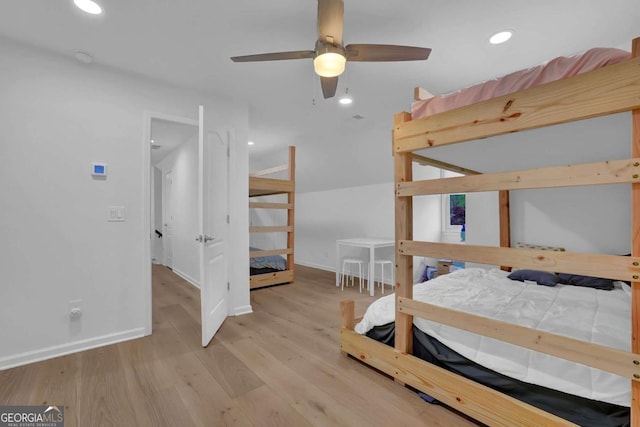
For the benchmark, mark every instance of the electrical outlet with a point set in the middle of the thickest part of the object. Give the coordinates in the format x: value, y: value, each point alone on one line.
x: 75, y: 309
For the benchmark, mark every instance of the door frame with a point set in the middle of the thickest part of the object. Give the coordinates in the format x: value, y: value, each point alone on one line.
x: 147, y: 232
x: 165, y: 205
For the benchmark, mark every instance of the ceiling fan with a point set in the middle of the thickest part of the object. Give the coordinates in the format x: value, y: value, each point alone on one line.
x: 330, y: 55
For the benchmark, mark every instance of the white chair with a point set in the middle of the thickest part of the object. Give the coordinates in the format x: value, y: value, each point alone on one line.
x: 348, y: 271
x: 382, y: 263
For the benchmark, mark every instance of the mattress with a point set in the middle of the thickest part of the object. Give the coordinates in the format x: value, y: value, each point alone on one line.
x: 555, y: 69
x: 266, y: 264
x: 592, y: 315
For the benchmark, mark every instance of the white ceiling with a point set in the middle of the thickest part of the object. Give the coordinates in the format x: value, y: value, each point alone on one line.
x: 188, y: 43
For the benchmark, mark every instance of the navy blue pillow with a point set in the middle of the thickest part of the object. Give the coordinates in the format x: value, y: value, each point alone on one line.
x: 586, y: 281
x: 544, y: 278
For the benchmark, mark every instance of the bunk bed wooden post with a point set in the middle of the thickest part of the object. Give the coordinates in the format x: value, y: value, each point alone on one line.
x: 635, y: 251
x: 404, y: 231
x: 291, y: 195
x: 505, y: 221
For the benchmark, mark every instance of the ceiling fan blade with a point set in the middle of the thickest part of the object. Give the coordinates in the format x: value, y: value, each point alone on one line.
x: 385, y: 52
x: 330, y: 21
x: 329, y: 86
x: 276, y: 56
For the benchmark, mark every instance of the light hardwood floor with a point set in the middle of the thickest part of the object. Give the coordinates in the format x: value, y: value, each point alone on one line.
x: 279, y: 366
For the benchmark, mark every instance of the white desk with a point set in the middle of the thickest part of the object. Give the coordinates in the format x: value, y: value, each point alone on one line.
x: 363, y: 242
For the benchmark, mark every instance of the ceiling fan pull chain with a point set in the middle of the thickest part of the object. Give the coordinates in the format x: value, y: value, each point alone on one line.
x: 313, y: 88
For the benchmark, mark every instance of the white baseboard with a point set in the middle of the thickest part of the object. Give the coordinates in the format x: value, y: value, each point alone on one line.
x: 64, y: 349
x: 238, y: 311
x: 314, y: 265
x: 188, y: 278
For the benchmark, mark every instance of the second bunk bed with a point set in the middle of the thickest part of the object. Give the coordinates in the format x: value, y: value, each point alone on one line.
x: 270, y: 267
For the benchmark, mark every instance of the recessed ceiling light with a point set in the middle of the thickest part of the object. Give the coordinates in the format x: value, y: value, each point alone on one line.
x: 500, y: 37
x: 88, y: 6
x: 251, y: 143
x: 345, y: 100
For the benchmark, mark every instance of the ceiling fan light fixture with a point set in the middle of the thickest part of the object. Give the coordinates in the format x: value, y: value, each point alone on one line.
x: 329, y: 64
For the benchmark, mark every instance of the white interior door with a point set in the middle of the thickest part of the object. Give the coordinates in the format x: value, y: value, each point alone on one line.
x: 213, y: 228
x: 167, y: 242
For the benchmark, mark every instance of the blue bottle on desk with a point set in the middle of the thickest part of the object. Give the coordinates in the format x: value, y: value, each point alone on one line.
x: 462, y: 233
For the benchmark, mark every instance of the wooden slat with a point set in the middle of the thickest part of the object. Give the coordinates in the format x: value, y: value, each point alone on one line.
x: 266, y: 186
x: 480, y: 402
x: 601, y: 173
x: 607, y: 90
x: 291, y: 200
x: 254, y: 254
x: 269, y: 171
x: 404, y: 231
x: 271, y: 229
x: 597, y: 356
x: 635, y: 251
x: 610, y: 266
x: 426, y: 161
x: 269, y: 279
x: 266, y: 205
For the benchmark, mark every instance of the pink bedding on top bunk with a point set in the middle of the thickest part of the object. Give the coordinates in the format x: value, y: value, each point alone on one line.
x: 555, y: 69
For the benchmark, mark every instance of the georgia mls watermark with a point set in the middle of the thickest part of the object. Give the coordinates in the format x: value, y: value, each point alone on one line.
x: 31, y: 416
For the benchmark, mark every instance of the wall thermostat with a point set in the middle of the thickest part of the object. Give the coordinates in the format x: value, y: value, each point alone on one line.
x: 98, y: 169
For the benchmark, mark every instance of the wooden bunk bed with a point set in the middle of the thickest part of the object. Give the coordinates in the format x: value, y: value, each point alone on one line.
x: 260, y: 186
x: 607, y: 90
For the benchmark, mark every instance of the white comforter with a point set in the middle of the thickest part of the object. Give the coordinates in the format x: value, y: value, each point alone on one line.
x: 601, y: 317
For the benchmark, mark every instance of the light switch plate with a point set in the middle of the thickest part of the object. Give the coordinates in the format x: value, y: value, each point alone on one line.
x: 115, y: 213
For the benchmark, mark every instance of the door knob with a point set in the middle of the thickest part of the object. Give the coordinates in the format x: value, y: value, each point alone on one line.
x: 208, y: 238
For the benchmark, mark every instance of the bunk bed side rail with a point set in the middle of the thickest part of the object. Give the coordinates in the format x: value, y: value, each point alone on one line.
x: 268, y: 279
x: 254, y: 254
x: 270, y: 184
x: 610, y: 266
x: 271, y: 229
x: 608, y: 359
x: 270, y: 171
x: 269, y: 205
x: 608, y: 90
x: 600, y: 173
